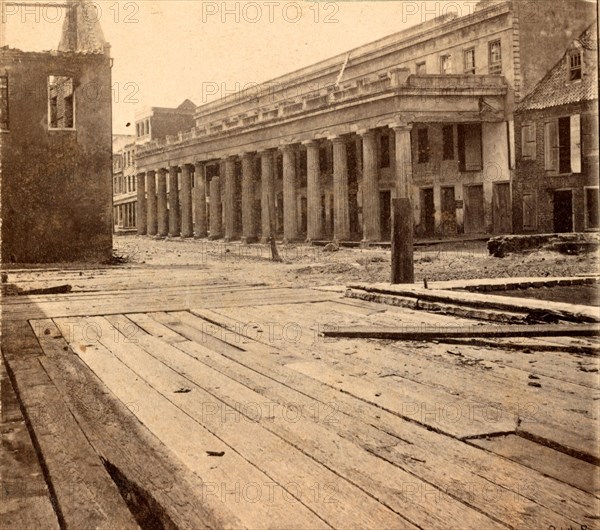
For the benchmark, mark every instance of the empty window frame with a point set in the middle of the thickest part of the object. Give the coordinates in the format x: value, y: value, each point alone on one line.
x: 470, y: 147
x: 423, y: 145
x: 495, y: 57
x: 3, y: 103
x: 469, y: 60
x: 421, y: 68
x: 61, y: 102
x: 575, y: 66
x: 446, y: 64
x: 448, y: 142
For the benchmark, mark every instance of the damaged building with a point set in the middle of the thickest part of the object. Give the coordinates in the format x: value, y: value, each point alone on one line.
x: 55, y: 147
x: 323, y: 150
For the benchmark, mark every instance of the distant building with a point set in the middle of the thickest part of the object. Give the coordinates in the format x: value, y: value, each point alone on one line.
x: 324, y: 149
x: 55, y: 148
x: 556, y: 183
x: 151, y: 124
x: 124, y: 183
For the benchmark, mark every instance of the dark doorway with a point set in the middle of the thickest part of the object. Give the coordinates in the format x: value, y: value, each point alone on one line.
x: 563, y: 211
x: 303, y: 215
x: 427, y: 212
x: 449, y: 226
x: 474, y: 213
x: 501, y: 211
x: 385, y: 213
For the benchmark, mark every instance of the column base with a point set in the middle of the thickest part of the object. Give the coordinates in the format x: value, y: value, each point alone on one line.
x: 247, y: 240
x: 200, y: 236
x: 215, y: 237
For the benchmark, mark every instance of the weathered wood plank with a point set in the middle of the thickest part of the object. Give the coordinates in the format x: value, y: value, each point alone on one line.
x: 333, y: 499
x: 562, y: 467
x: 457, y: 467
x: 25, y: 496
x: 222, y: 476
x: 117, y: 435
x: 85, y: 494
x: 383, y: 482
x: 457, y: 332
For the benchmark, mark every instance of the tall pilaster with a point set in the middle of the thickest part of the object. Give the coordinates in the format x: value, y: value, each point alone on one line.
x: 152, y: 225
x: 200, y: 225
x: 230, y: 213
x: 216, y: 219
x: 290, y: 221
x: 267, y: 193
x: 313, y: 193
x: 161, y: 207
x: 248, y: 181
x: 141, y: 221
x: 341, y: 211
x: 187, y: 225
x: 174, y: 201
x: 370, y: 189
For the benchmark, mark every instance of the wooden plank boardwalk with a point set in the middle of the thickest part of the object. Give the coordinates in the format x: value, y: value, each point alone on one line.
x: 198, y: 404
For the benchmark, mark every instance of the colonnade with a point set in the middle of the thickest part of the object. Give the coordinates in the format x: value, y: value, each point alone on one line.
x: 181, y: 208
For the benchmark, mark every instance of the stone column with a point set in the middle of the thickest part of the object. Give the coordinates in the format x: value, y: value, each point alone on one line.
x: 341, y: 211
x: 173, y: 201
x: 187, y: 224
x: 248, y: 181
x: 200, y: 225
x: 370, y: 187
x: 403, y: 161
x: 313, y: 193
x: 141, y: 205
x: 229, y: 205
x: 290, y: 225
x: 161, y: 197
x: 268, y: 194
x: 152, y: 225
x: 216, y: 225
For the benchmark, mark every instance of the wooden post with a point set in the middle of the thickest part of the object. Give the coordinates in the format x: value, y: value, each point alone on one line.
x: 403, y: 270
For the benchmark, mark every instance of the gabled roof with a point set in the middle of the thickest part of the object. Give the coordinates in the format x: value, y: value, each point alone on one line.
x: 555, y: 89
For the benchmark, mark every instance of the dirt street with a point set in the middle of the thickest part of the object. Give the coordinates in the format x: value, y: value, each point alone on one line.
x: 312, y: 266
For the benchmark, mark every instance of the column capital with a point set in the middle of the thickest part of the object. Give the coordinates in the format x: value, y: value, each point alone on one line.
x: 188, y: 166
x: 151, y: 172
x: 229, y: 158
x: 366, y: 132
x: 311, y: 143
x: 141, y: 174
x: 173, y: 169
x: 401, y: 126
x: 337, y: 139
x: 247, y: 154
x: 266, y: 152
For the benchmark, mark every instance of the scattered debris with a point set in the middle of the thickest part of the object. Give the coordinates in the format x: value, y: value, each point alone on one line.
x: 183, y: 390
x: 536, y: 385
x: 215, y: 453
x: 331, y: 247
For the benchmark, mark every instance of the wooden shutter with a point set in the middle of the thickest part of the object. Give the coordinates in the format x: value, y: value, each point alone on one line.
x: 576, y: 143
x: 551, y: 146
x: 528, y: 141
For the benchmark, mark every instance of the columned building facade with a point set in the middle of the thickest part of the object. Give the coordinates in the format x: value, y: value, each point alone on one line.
x: 425, y: 114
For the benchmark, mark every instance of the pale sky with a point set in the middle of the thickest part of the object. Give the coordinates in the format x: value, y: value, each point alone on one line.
x: 168, y: 50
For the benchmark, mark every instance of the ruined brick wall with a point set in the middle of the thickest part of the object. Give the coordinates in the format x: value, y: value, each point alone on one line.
x: 56, y: 184
x: 532, y: 177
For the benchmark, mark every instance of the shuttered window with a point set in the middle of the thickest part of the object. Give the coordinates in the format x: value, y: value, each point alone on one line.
x: 562, y: 145
x: 3, y: 103
x: 528, y: 141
